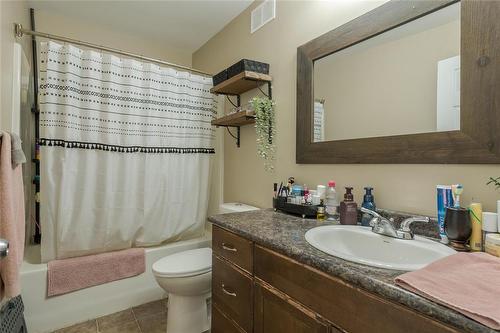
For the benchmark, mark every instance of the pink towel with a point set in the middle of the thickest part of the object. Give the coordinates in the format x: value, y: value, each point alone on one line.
x: 12, y: 222
x: 66, y: 275
x: 466, y: 282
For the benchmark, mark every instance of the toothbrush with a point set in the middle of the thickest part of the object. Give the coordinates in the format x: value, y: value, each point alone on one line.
x: 457, y: 191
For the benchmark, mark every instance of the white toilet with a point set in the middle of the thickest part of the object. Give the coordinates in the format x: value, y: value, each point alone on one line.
x: 187, y: 277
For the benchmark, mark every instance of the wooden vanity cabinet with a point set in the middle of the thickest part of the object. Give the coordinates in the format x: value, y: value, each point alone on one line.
x: 256, y: 290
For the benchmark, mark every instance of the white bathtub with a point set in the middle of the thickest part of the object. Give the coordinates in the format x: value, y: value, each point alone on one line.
x: 47, y: 314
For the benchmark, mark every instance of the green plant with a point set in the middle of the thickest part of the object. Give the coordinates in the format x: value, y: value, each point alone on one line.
x: 494, y: 181
x: 265, y: 127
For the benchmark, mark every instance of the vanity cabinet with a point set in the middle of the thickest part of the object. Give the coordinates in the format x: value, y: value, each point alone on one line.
x: 256, y: 290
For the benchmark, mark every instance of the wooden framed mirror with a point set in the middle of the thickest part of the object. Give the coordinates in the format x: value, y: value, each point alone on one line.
x: 407, y: 111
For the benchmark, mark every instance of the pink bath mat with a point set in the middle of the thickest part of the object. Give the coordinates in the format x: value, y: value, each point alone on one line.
x: 67, y: 275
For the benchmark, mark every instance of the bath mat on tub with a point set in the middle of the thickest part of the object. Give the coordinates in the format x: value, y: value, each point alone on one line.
x: 66, y: 275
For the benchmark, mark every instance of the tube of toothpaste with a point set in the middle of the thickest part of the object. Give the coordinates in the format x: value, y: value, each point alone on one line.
x: 444, y: 200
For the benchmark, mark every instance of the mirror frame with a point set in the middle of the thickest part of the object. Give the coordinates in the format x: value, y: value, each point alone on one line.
x: 477, y: 141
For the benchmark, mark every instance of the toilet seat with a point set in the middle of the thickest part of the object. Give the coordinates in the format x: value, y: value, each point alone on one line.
x: 185, y: 263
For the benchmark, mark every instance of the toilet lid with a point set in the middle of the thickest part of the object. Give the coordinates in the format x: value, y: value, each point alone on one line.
x: 185, y: 263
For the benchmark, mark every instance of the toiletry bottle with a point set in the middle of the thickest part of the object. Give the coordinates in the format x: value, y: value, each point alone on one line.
x: 331, y: 202
x: 320, y: 214
x: 489, y: 226
x: 321, y: 191
x: 348, y: 208
x: 492, y: 244
x: 444, y: 200
x: 476, y: 216
x: 368, y: 203
x: 306, y: 195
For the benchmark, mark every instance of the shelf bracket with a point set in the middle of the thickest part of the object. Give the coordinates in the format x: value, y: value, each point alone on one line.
x: 269, y: 93
x: 238, y: 139
x: 230, y: 101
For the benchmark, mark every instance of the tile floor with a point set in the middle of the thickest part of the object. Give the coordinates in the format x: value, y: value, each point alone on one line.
x: 146, y: 318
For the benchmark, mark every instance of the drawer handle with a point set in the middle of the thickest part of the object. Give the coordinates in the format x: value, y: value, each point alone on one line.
x: 229, y: 247
x: 227, y: 292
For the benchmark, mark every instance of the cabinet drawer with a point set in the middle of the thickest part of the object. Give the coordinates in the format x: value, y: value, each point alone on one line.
x: 222, y: 324
x: 234, y: 248
x: 351, y: 308
x: 232, y: 292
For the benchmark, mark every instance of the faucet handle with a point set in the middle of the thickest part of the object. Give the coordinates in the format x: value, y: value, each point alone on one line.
x: 405, y: 225
x: 371, y: 212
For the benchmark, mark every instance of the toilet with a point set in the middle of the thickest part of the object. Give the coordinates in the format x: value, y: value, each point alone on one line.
x: 187, y: 276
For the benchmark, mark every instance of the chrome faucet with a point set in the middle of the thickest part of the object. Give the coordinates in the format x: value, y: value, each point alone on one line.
x: 404, y: 228
x: 382, y: 226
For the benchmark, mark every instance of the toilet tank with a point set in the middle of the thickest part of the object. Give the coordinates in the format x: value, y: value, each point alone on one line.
x: 235, y: 207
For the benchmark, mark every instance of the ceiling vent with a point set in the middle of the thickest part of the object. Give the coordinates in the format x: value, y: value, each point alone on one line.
x: 264, y: 13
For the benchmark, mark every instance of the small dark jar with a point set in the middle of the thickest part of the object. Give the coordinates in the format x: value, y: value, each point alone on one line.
x: 457, y: 226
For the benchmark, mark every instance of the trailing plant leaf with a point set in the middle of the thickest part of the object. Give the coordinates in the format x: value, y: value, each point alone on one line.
x: 265, y: 128
x: 494, y: 181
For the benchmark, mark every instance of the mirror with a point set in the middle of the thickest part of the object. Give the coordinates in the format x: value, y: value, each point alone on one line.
x: 401, y: 108
x: 403, y: 81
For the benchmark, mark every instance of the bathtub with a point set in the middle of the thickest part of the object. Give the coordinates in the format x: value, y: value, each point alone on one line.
x: 48, y: 314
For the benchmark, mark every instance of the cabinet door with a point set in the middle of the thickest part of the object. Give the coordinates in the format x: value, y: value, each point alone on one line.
x: 276, y: 313
x: 221, y: 323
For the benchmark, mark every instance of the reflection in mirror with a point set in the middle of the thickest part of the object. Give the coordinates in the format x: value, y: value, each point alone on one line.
x: 404, y: 81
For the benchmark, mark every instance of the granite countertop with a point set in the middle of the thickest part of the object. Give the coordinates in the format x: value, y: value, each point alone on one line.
x: 284, y: 233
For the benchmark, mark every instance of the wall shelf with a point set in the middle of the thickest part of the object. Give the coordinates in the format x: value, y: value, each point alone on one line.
x: 235, y: 119
x: 238, y: 84
x: 241, y: 83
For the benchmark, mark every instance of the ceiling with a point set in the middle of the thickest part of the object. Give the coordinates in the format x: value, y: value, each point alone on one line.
x: 184, y: 24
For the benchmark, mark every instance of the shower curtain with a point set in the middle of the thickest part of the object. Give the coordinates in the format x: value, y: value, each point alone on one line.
x: 125, y: 151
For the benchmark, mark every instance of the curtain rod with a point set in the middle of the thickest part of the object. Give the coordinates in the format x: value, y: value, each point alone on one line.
x: 19, y: 31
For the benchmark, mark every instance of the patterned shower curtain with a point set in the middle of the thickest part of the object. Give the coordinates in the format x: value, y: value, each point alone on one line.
x: 126, y: 151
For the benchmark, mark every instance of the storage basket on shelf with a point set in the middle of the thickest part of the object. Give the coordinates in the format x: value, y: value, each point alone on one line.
x: 247, y: 65
x: 220, y: 77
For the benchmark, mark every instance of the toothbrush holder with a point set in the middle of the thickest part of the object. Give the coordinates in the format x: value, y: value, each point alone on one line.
x: 457, y: 226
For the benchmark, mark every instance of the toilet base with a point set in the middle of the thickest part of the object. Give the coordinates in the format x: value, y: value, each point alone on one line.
x: 188, y: 314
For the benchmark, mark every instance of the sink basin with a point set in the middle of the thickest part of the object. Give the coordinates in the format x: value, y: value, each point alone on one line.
x: 361, y: 245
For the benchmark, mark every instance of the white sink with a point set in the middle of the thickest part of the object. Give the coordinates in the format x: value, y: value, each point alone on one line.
x: 361, y: 245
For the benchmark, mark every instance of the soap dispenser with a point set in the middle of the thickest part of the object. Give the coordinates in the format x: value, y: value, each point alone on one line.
x: 368, y: 203
x: 348, y: 208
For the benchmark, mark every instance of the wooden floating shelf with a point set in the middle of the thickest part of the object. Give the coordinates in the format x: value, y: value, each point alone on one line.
x: 235, y: 119
x: 241, y: 83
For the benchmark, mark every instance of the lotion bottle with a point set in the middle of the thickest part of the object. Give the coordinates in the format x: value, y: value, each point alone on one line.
x: 369, y: 203
x: 348, y: 208
x: 476, y: 217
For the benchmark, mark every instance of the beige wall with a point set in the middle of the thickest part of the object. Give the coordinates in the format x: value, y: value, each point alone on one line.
x: 57, y: 24
x: 10, y: 12
x: 386, y: 85
x: 403, y: 187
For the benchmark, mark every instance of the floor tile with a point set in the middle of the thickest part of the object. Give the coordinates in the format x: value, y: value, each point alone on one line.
x: 123, y: 327
x: 149, y: 309
x: 154, y: 324
x: 114, y: 319
x: 86, y: 327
